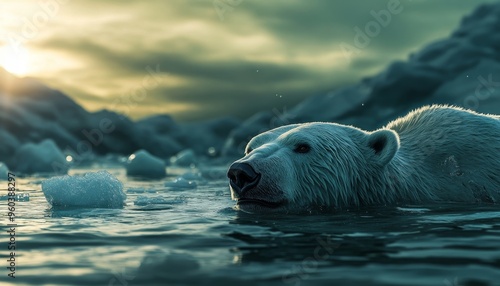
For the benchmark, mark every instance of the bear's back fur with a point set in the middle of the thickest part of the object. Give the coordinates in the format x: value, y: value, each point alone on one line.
x: 446, y: 153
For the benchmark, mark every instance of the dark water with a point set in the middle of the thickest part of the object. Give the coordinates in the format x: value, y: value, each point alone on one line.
x: 194, y: 237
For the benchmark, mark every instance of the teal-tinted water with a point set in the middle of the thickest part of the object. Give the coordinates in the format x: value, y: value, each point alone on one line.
x: 194, y: 237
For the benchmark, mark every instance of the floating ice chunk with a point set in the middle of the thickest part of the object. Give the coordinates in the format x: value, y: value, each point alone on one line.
x: 144, y: 165
x: 190, y: 176
x: 194, y: 177
x: 3, y: 171
x: 181, y: 184
x: 141, y: 190
x: 91, y: 190
x: 143, y: 201
x: 44, y: 157
x: 185, y: 158
x: 19, y: 197
x: 158, y: 200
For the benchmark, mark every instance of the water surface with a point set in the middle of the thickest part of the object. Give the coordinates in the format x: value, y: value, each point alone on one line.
x: 195, y: 237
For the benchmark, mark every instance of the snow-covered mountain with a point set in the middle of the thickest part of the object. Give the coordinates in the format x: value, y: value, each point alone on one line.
x: 31, y: 112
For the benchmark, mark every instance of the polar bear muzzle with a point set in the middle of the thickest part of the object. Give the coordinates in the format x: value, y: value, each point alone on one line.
x: 247, y: 189
x: 242, y: 177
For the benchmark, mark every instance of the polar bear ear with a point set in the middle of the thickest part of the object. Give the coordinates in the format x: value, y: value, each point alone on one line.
x: 385, y: 144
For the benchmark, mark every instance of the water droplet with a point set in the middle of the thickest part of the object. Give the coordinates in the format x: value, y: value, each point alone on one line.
x: 211, y: 151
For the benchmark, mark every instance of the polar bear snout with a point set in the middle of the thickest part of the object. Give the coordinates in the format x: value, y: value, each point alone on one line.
x: 242, y: 177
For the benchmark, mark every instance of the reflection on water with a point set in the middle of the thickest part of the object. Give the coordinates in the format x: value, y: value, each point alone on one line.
x: 194, y: 237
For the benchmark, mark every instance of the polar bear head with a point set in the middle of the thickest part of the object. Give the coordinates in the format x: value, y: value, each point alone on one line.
x: 303, y: 166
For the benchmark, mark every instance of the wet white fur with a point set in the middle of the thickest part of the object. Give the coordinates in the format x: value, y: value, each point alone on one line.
x: 435, y: 153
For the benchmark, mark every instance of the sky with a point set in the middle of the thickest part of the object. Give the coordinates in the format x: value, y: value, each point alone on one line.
x: 201, y: 59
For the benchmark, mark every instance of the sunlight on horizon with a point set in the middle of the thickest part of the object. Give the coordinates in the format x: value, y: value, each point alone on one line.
x: 15, y: 60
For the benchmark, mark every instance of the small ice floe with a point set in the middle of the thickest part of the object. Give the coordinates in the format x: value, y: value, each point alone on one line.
x: 44, y: 157
x: 19, y: 197
x: 91, y: 190
x: 185, y: 158
x: 181, y: 184
x: 192, y: 176
x: 158, y: 200
x: 143, y: 164
x: 3, y: 171
x: 141, y: 190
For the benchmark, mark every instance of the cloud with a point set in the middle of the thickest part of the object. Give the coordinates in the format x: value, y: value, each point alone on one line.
x: 212, y: 67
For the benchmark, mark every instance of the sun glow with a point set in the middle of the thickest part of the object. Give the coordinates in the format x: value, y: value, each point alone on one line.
x: 15, y: 59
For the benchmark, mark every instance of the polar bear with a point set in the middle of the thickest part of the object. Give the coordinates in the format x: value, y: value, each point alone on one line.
x: 435, y: 153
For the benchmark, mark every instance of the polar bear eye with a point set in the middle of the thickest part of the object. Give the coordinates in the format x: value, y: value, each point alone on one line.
x: 302, y: 148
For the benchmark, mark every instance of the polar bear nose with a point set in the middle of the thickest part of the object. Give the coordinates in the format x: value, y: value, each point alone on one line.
x: 242, y: 177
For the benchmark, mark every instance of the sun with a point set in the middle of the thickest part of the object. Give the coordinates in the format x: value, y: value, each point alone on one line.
x: 15, y: 59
